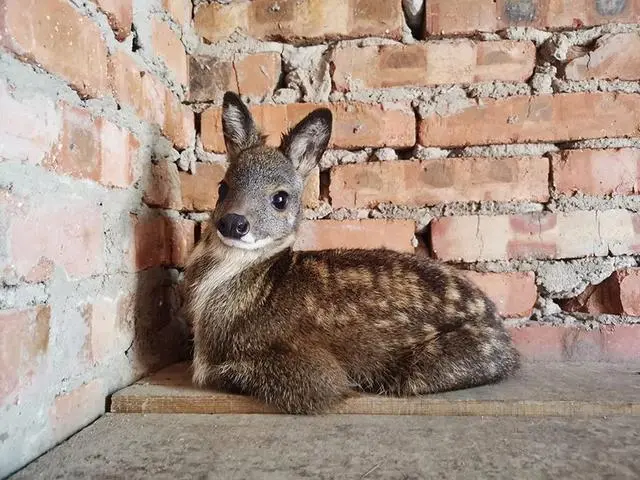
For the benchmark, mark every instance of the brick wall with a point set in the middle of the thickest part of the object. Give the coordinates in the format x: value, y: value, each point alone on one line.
x: 92, y: 94
x: 502, y: 136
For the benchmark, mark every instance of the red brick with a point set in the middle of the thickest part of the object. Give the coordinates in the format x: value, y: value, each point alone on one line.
x: 168, y: 46
x: 118, y: 153
x: 163, y: 188
x: 350, y: 234
x: 549, y: 235
x: 52, y: 34
x: 126, y: 80
x: 24, y: 341
x: 446, y: 17
x: 109, y: 330
x: 120, y: 15
x: 67, y: 233
x: 255, y: 75
x: 432, y: 63
x: 210, y: 78
x: 614, y: 343
x: 200, y: 191
x: 163, y: 241
x: 96, y: 150
x: 514, y: 293
x: 629, y: 281
x: 258, y: 74
x: 301, y: 22
x: 597, y: 172
x: 153, y: 101
x: 544, y: 118
x: 29, y: 127
x: 311, y: 193
x: 75, y: 409
x: 617, y: 295
x: 355, y: 125
x: 179, y: 122
x: 440, y: 181
x: 614, y: 57
x: 180, y: 10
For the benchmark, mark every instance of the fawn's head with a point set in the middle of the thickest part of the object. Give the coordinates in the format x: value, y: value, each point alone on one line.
x: 260, y: 199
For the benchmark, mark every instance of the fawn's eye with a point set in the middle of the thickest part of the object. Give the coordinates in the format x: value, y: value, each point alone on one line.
x: 279, y: 200
x: 223, y: 189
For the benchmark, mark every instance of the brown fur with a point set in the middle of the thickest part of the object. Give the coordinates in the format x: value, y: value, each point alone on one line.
x: 301, y: 330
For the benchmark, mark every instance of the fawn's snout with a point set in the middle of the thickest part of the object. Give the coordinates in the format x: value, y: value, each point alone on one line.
x: 233, y: 226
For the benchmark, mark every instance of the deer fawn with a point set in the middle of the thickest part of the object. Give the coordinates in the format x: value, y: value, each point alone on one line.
x: 303, y: 330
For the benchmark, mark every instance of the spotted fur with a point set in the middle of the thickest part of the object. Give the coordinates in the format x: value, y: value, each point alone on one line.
x: 303, y: 330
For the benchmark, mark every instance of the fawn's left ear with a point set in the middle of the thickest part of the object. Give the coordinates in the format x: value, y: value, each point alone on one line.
x: 238, y: 127
x: 305, y: 144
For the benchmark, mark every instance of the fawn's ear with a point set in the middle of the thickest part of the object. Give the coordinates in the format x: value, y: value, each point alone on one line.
x: 239, y: 130
x: 305, y: 144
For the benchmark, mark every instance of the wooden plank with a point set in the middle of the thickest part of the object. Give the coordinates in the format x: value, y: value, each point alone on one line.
x: 559, y: 389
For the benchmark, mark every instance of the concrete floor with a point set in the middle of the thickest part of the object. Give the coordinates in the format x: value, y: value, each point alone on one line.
x: 134, y: 446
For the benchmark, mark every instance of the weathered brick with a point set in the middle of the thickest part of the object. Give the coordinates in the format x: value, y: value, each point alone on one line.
x: 549, y: 235
x: 78, y: 153
x: 96, y: 150
x: 629, y: 281
x: 24, y: 341
x: 179, y: 122
x: 615, y: 56
x: 543, y: 118
x: 180, y: 10
x: 120, y: 15
x: 255, y: 76
x: 439, y: 181
x: 162, y: 241
x: 152, y: 101
x: 432, y: 63
x: 617, y: 295
x: 612, y: 343
x: 163, y: 187
x: 301, y: 22
x: 597, y: 172
x: 75, y: 409
x: 514, y: 293
x: 210, y: 78
x: 126, y: 80
x: 67, y: 234
x: 29, y: 127
x: 168, y: 46
x: 446, y: 17
x: 52, y: 34
x: 258, y: 74
x: 370, y: 234
x: 200, y: 191
x: 154, y: 95
x: 354, y: 124
x: 110, y: 326
x: 311, y: 193
x: 118, y: 153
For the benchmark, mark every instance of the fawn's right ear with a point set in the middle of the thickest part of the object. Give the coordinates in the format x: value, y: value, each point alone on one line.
x: 239, y: 130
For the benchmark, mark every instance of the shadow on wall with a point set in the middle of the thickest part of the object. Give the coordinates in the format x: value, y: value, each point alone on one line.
x: 163, y: 241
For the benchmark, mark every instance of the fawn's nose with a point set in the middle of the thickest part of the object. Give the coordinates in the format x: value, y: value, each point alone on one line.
x: 233, y: 226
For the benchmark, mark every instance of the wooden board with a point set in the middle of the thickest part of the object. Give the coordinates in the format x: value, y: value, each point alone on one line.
x: 550, y: 389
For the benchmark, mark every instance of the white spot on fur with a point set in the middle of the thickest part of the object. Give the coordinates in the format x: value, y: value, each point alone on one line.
x: 247, y: 242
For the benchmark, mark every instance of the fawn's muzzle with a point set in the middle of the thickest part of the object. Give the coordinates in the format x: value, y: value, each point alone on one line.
x: 233, y: 226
